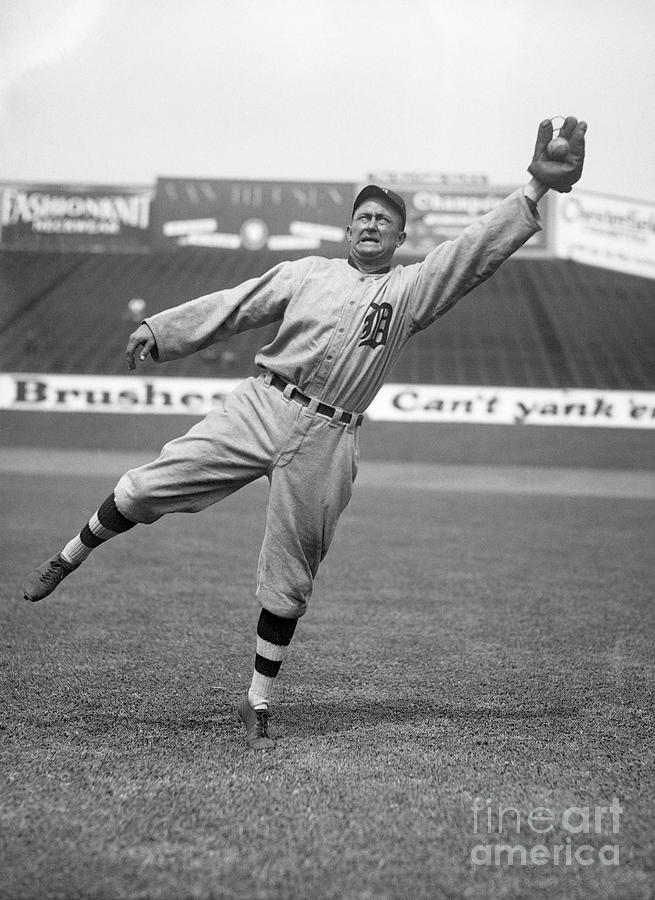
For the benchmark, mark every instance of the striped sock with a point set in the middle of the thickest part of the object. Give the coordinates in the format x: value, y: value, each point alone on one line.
x: 273, y: 638
x: 104, y: 524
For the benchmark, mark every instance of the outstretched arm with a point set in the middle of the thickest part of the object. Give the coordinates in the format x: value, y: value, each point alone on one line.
x: 455, y: 267
x: 196, y: 324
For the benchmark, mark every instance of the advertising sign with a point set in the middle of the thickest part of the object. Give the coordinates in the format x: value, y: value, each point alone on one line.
x: 75, y: 217
x: 113, y: 393
x: 586, y: 407
x: 251, y: 215
x: 425, y: 403
x: 606, y: 232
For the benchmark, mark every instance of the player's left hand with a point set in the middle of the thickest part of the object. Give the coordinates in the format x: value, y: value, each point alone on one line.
x: 559, y: 175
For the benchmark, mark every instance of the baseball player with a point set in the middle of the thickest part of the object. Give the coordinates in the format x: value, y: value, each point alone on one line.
x: 342, y: 325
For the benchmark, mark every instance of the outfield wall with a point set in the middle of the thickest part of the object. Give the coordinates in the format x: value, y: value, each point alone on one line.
x: 447, y: 443
x: 432, y: 404
x: 419, y: 422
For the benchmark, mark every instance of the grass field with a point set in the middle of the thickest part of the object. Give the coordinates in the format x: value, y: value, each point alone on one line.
x: 461, y: 644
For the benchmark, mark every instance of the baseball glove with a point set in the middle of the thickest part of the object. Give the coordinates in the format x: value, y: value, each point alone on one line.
x: 559, y: 175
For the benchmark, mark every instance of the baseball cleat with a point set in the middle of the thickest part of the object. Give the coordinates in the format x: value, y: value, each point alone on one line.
x: 256, y: 722
x: 46, y: 578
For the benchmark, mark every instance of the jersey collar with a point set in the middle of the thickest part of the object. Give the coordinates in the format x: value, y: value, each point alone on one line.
x: 383, y: 270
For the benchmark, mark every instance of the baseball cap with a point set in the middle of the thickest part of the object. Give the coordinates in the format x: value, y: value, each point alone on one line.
x: 374, y: 190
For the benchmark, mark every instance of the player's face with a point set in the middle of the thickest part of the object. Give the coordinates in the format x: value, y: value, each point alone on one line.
x: 374, y: 233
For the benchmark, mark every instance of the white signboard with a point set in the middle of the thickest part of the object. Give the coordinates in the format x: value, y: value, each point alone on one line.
x: 606, y: 232
x: 113, y: 393
x: 513, y: 406
x: 424, y: 403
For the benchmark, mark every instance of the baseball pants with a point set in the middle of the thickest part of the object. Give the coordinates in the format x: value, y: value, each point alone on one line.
x: 309, y: 460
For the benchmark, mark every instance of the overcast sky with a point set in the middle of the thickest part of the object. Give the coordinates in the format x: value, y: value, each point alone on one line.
x: 123, y: 91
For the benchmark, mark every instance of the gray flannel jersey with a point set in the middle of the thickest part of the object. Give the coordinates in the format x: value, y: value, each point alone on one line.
x: 341, y: 330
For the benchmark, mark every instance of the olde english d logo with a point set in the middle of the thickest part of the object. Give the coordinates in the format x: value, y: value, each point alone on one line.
x: 376, y: 325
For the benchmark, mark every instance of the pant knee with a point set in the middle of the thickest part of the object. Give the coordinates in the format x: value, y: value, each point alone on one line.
x: 285, y: 605
x: 133, y: 500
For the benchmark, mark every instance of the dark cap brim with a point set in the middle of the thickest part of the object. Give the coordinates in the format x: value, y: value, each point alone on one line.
x: 384, y: 194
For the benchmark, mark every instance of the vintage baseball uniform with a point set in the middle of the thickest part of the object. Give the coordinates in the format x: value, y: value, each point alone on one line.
x: 340, y: 332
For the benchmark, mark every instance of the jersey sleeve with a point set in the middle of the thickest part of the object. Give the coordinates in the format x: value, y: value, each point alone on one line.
x: 196, y: 324
x: 455, y: 267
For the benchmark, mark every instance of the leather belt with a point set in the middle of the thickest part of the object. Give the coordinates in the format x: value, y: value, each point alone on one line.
x: 323, y: 409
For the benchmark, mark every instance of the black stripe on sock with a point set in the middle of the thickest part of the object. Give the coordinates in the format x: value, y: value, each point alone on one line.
x: 110, y: 517
x: 267, y: 667
x: 275, y: 629
x: 89, y: 539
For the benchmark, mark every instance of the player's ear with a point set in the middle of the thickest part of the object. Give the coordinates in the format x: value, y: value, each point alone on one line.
x: 402, y: 237
x: 349, y: 233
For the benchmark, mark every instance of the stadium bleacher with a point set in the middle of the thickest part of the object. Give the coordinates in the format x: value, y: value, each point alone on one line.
x: 539, y: 322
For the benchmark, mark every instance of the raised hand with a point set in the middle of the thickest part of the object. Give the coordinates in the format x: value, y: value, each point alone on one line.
x: 559, y: 174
